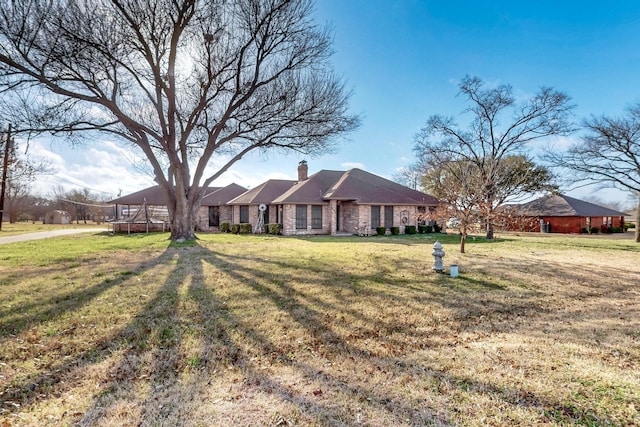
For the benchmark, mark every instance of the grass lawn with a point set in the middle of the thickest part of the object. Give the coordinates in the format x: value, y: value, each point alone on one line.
x: 102, y: 330
x: 24, y: 227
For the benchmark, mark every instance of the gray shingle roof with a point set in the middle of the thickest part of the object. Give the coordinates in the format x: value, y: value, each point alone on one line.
x: 355, y: 184
x: 222, y: 195
x: 263, y: 193
x: 153, y: 196
x: 561, y: 205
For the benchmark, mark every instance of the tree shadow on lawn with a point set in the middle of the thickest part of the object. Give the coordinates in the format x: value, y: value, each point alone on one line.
x: 196, y: 352
x: 234, y: 346
x: 50, y: 305
x: 23, y: 317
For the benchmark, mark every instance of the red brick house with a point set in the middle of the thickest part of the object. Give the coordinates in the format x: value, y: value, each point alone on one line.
x: 558, y: 213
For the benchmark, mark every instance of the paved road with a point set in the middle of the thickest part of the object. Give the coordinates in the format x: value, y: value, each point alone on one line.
x: 48, y: 234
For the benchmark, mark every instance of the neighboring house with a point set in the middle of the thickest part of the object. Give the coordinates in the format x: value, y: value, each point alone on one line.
x: 563, y: 214
x: 57, y: 217
x: 149, y: 203
x: 333, y: 202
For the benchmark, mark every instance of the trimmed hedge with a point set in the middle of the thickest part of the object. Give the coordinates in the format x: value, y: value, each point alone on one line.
x: 235, y: 228
x: 422, y: 229
x: 273, y: 228
x: 395, y: 230
x: 245, y: 228
x: 410, y: 229
x: 225, y: 227
x: 381, y: 231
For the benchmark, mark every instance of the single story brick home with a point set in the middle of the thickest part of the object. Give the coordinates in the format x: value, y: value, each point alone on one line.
x: 332, y: 202
x: 557, y: 213
x: 327, y: 202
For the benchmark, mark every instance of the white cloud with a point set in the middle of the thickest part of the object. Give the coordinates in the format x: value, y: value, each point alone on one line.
x: 103, y: 168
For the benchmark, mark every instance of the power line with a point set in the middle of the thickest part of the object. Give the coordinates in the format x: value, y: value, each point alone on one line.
x: 86, y: 204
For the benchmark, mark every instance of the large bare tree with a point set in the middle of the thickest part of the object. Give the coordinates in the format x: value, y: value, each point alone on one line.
x: 499, y: 126
x: 607, y: 154
x: 186, y: 81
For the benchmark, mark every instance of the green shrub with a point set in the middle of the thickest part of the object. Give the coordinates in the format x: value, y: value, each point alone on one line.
x: 630, y: 225
x: 616, y: 229
x: 410, y: 229
x: 245, y: 228
x: 235, y: 228
x: 395, y: 230
x: 436, y: 228
x: 381, y: 231
x: 422, y: 229
x: 224, y: 227
x: 594, y: 230
x: 273, y: 228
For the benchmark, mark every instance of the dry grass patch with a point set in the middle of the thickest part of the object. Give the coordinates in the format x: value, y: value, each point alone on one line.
x: 257, y: 330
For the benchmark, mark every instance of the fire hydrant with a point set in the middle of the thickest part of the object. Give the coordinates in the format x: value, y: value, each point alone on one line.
x: 438, y: 254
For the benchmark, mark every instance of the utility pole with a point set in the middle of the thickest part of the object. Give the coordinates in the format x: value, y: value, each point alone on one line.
x: 5, y: 168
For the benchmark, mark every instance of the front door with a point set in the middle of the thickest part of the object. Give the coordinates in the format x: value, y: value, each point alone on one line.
x: 214, y: 216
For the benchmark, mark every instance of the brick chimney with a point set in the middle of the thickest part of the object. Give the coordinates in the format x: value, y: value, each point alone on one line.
x: 303, y: 171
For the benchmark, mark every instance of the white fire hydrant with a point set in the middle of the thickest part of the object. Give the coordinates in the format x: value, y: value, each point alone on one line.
x: 438, y: 254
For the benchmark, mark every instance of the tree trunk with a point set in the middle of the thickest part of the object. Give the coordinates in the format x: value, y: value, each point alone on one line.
x: 489, y: 229
x: 183, y: 222
x: 463, y: 239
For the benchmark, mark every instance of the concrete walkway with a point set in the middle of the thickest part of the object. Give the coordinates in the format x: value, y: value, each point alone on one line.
x: 48, y: 234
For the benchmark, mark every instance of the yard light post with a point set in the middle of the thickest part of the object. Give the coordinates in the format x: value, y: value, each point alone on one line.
x: 438, y: 254
x: 5, y: 167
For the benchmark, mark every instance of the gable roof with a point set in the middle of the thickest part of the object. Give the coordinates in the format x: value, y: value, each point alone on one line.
x: 263, y: 193
x: 311, y: 190
x: 154, y: 196
x: 216, y: 196
x: 355, y: 185
x: 561, y: 205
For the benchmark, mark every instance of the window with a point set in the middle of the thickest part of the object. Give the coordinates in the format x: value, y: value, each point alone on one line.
x: 214, y: 216
x: 388, y: 216
x: 301, y: 217
x: 244, y: 214
x: 375, y: 216
x: 316, y: 217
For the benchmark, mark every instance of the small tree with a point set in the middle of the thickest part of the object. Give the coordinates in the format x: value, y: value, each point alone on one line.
x: 462, y: 185
x: 607, y: 154
x: 498, y: 132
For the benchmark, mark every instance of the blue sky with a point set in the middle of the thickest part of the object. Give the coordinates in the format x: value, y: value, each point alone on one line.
x: 403, y: 58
